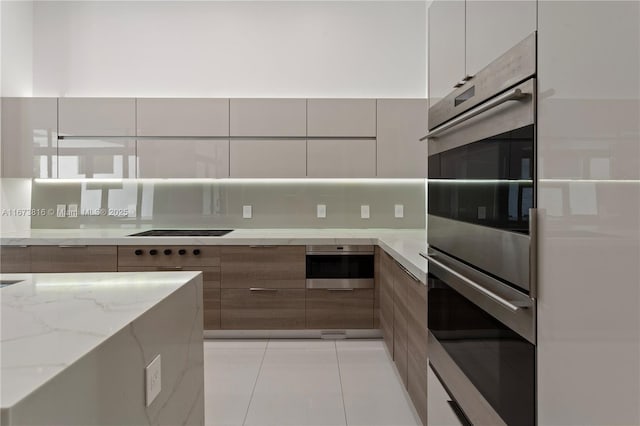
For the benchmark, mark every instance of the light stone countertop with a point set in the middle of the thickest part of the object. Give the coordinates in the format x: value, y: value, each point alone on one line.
x: 50, y: 321
x: 404, y: 245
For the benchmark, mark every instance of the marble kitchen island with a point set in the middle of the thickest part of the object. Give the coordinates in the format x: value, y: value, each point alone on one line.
x: 74, y: 348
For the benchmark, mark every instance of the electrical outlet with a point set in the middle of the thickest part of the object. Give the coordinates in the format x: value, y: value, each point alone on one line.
x: 153, y: 379
x: 61, y: 210
x: 364, y: 211
x: 321, y: 211
x: 72, y: 210
x: 247, y: 212
x: 398, y: 210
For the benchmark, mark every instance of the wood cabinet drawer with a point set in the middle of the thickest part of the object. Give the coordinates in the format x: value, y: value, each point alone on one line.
x: 15, y: 259
x: 210, y: 289
x: 263, y: 266
x: 339, y: 308
x: 192, y: 256
x: 73, y: 258
x: 266, y: 309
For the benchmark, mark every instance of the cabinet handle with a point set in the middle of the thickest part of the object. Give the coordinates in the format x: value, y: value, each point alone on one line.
x: 262, y: 246
x: 512, y: 95
x: 169, y: 268
x: 72, y: 246
x: 339, y: 289
x: 262, y: 289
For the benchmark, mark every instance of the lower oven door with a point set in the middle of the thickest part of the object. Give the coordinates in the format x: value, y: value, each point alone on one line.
x: 482, y: 343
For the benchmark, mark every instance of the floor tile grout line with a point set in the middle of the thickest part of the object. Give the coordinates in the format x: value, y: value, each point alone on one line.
x: 344, y: 406
x: 255, y: 383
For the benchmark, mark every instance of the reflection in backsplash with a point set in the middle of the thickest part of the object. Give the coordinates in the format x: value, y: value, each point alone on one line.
x: 219, y: 203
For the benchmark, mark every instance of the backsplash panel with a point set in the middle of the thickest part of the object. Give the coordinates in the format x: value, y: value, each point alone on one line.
x: 218, y: 204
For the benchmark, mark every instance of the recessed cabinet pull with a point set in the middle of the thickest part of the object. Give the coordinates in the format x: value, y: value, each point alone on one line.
x: 263, y: 289
x: 72, y: 246
x: 407, y: 272
x: 262, y: 246
x: 339, y: 289
x: 170, y: 268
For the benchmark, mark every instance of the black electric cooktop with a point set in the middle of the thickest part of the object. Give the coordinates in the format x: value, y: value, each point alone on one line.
x: 182, y: 233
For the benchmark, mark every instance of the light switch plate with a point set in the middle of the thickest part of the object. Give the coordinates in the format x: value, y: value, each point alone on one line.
x: 61, y: 210
x: 247, y: 212
x: 321, y: 211
x: 364, y: 211
x: 153, y: 379
x: 72, y: 210
x: 398, y: 210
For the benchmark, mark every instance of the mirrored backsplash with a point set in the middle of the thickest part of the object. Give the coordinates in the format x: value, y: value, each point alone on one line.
x: 275, y: 203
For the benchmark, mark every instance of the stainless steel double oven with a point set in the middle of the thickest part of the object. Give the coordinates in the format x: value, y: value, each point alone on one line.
x: 481, y: 235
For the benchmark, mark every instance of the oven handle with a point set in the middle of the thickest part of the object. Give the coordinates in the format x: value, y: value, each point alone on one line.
x: 476, y: 286
x: 512, y: 95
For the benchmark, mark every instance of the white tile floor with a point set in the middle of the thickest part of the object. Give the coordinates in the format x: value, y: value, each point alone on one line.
x: 303, y: 382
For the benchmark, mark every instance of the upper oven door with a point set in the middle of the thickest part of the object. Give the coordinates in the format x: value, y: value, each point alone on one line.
x: 481, y: 186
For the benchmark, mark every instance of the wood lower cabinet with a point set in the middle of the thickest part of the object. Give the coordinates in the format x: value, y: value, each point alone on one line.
x: 386, y: 299
x: 338, y: 308
x: 417, y: 345
x: 74, y: 258
x: 180, y: 258
x: 275, y: 267
x: 210, y: 289
x: 403, y: 320
x: 400, y: 311
x: 262, y: 309
x: 15, y: 259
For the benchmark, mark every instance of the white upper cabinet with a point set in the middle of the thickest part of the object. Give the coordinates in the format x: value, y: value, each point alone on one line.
x: 268, y: 158
x: 186, y: 158
x: 341, y: 158
x: 182, y: 117
x: 493, y: 27
x: 97, y: 117
x: 268, y: 117
x: 341, y: 117
x: 400, y: 153
x: 446, y: 47
x: 29, y: 137
x: 97, y: 158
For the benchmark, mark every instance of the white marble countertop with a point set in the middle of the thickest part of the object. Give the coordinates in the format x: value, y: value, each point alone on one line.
x: 404, y: 245
x: 50, y: 321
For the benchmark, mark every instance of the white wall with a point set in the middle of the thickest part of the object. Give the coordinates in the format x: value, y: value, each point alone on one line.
x: 230, y: 48
x: 17, y: 47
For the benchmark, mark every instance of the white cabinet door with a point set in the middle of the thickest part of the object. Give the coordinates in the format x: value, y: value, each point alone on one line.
x: 106, y: 158
x: 446, y: 47
x: 186, y: 158
x: 268, y: 117
x: 268, y: 158
x: 341, y: 117
x: 182, y: 117
x: 401, y: 123
x: 97, y: 116
x: 495, y: 26
x: 341, y: 158
x: 439, y: 412
x: 29, y: 137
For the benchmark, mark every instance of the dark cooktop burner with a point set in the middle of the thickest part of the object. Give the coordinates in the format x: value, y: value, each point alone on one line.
x: 183, y: 233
